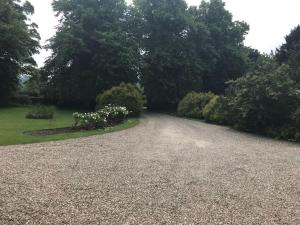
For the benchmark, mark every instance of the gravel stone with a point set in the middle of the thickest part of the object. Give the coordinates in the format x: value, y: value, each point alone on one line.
x: 167, y: 171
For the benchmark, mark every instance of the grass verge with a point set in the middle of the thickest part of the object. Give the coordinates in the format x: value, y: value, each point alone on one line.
x: 13, y: 124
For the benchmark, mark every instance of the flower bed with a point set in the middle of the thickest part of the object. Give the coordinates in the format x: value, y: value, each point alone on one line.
x: 107, y: 116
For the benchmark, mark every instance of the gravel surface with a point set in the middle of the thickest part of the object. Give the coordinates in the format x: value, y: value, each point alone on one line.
x: 166, y: 170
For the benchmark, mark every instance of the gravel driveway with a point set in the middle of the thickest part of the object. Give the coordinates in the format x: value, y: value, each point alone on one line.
x: 166, y: 170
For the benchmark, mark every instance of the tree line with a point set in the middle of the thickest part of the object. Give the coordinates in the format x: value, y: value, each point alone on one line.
x: 166, y: 46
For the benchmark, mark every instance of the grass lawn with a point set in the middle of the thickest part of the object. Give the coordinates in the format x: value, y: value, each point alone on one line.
x: 13, y: 123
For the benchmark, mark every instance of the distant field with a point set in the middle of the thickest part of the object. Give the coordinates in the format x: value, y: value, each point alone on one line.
x: 13, y: 124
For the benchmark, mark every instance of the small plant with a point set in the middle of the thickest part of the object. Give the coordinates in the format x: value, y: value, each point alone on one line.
x: 41, y: 112
x: 109, y: 115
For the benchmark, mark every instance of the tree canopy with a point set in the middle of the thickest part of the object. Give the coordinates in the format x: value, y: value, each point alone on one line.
x: 289, y: 53
x: 93, y: 50
x: 168, y: 47
x: 227, y: 54
x: 188, y: 49
x: 19, y: 40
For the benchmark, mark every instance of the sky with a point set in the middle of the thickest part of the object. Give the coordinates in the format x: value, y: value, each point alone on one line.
x: 270, y: 21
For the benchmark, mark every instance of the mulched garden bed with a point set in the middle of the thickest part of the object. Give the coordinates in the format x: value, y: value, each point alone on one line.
x: 47, y: 132
x: 63, y: 130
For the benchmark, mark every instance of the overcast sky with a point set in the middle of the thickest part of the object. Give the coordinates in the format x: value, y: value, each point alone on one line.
x: 270, y: 21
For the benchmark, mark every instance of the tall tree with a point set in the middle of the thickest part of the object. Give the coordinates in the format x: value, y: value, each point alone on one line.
x: 289, y: 53
x: 19, y: 40
x: 93, y: 50
x: 188, y: 49
x: 227, y: 54
x: 170, y: 68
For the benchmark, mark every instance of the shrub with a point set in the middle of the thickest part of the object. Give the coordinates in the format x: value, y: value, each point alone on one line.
x: 297, y: 136
x: 41, y: 112
x: 192, y: 104
x: 89, y: 121
x: 126, y: 95
x: 216, y: 111
x: 291, y: 130
x: 285, y: 132
x: 114, y: 114
x: 263, y: 99
x: 107, y: 116
x: 296, y: 118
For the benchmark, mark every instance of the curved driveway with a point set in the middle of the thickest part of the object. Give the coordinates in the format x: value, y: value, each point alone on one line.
x: 166, y: 170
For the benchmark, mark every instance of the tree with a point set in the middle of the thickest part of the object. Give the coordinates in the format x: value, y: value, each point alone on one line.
x: 188, y: 49
x: 228, y: 57
x: 289, y: 53
x: 171, y: 68
x: 34, y: 86
x: 93, y: 50
x: 19, y: 40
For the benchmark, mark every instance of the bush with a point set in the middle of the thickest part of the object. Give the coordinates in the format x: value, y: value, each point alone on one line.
x: 192, y: 104
x: 114, y: 114
x: 108, y: 115
x: 126, y: 95
x: 291, y: 130
x: 89, y: 121
x: 285, y: 132
x: 41, y: 112
x: 263, y: 100
x: 297, y: 136
x: 216, y: 111
x: 296, y: 118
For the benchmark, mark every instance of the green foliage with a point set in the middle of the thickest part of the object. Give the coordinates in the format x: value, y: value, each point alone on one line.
x: 289, y: 53
x: 188, y: 49
x: 222, y: 48
x: 114, y: 114
x: 169, y: 48
x: 192, y: 105
x: 89, y: 121
x: 285, y: 132
x: 126, y: 95
x: 107, y: 116
x: 19, y: 40
x: 34, y: 86
x: 296, y: 117
x: 263, y: 99
x: 93, y: 50
x: 40, y: 112
x: 170, y: 68
x: 297, y: 136
x: 13, y: 126
x: 216, y: 111
x: 291, y: 130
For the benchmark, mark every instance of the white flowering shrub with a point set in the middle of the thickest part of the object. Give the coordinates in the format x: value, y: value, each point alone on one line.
x: 114, y: 114
x: 89, y: 120
x: 107, y: 116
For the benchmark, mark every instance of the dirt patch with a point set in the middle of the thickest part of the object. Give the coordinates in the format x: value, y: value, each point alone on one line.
x: 54, y: 131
